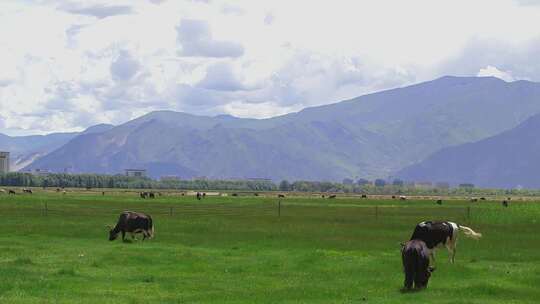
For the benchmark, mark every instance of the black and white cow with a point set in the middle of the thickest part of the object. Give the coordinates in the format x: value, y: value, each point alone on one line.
x: 415, y: 258
x: 132, y: 222
x: 438, y: 234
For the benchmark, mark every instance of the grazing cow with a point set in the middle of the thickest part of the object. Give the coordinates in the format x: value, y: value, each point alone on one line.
x: 332, y: 196
x: 393, y: 197
x: 415, y: 258
x: 474, y: 200
x: 402, y: 197
x: 151, y: 195
x: 103, y: 193
x: 439, y: 202
x: 204, y: 194
x: 132, y: 223
x: 437, y: 234
x: 323, y: 196
x: 364, y: 196
x: 199, y: 196
x: 29, y: 191
x: 505, y: 203
x: 12, y: 192
x: 57, y: 189
x: 144, y: 194
x: 482, y: 198
x: 281, y: 195
x: 256, y: 194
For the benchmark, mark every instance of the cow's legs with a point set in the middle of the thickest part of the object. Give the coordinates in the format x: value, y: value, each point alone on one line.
x: 123, y: 236
x: 432, y: 256
x: 451, y: 246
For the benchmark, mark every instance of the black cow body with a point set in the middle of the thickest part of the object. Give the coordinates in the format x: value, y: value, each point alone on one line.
x: 415, y: 258
x: 437, y: 234
x: 132, y: 222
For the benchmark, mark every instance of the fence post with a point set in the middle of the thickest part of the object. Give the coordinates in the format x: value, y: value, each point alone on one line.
x: 279, y: 208
x: 376, y: 212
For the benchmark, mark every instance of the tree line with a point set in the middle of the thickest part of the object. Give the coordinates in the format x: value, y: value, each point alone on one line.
x: 17, y: 179
x: 378, y: 187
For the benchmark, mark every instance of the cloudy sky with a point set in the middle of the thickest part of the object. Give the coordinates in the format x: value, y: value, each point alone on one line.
x: 67, y: 65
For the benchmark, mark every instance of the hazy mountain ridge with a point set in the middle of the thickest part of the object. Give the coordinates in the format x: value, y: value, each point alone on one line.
x: 510, y: 159
x: 25, y: 150
x: 370, y: 136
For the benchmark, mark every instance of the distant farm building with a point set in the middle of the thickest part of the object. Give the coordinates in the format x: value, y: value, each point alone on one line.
x: 442, y: 185
x: 40, y: 172
x: 4, y: 162
x: 136, y: 172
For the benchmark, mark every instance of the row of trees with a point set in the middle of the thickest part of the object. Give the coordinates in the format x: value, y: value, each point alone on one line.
x: 120, y: 181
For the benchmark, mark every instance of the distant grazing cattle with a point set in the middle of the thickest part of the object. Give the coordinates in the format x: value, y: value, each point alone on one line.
x: 415, y: 258
x: 439, y: 202
x: 436, y: 234
x: 403, y: 198
x: 364, y: 196
x: 132, y: 222
x: 12, y: 192
x: 199, y: 195
x: 505, y: 203
x: 64, y: 192
x: 88, y: 188
x: 393, y: 197
x: 234, y: 194
x: 147, y: 195
x: 256, y: 194
x: 323, y: 196
x: 58, y: 190
x: 474, y: 200
x: 29, y: 191
x: 281, y: 195
x: 103, y: 193
x: 204, y: 194
x: 482, y: 198
x: 332, y: 196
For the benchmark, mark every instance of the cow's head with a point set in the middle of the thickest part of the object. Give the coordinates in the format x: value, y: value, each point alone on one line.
x: 112, y: 234
x: 423, y: 279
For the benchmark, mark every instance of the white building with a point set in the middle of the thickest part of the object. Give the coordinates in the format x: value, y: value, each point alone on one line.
x: 4, y: 162
x: 136, y: 172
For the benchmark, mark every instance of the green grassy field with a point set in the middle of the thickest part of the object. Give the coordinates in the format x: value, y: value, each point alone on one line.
x: 238, y: 250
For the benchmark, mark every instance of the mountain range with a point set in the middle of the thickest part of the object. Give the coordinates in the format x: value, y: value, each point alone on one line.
x: 508, y: 160
x: 377, y: 135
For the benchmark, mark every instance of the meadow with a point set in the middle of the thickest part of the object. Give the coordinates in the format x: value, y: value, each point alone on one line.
x: 246, y: 249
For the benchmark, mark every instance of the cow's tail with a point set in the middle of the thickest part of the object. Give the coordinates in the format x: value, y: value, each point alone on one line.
x: 470, y: 233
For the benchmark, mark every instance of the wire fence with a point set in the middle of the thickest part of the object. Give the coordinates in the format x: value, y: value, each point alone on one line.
x: 277, y: 209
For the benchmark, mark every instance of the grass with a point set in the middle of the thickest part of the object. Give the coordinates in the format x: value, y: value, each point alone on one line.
x: 237, y: 250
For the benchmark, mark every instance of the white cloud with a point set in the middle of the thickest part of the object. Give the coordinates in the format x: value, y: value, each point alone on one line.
x: 196, y: 39
x: 494, y: 72
x: 69, y: 64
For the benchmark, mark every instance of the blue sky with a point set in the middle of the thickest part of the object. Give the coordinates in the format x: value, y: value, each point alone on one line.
x: 67, y: 65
